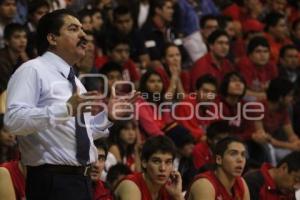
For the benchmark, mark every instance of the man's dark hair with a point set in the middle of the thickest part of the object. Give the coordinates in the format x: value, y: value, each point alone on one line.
x: 1, y: 121
x: 226, y: 80
x: 285, y: 48
x: 115, y: 172
x: 206, y: 18
x: 50, y: 23
x: 224, y: 20
x: 216, y: 128
x: 255, y: 42
x: 36, y: 4
x: 114, y: 41
x: 206, y: 78
x: 109, y: 67
x: 102, y: 144
x: 279, y: 87
x: 272, y: 19
x: 292, y: 160
x: 180, y: 136
x: 84, y: 13
x: 215, y: 35
x: 120, y: 11
x: 157, y: 4
x: 10, y: 29
x: 157, y: 144
x: 223, y: 144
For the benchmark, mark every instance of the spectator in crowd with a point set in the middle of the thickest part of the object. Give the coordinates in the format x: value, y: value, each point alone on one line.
x: 295, y: 33
x: 225, y: 182
x: 157, y: 158
x: 257, y: 68
x: 278, y: 182
x: 85, y: 18
x: 215, y: 61
x: 208, y: 24
x: 7, y: 13
x: 116, y: 173
x: 124, y: 145
x: 100, y: 189
x: 196, y: 123
x: 203, y: 151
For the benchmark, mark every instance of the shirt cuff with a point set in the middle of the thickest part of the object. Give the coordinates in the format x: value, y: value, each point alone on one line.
x: 100, y: 122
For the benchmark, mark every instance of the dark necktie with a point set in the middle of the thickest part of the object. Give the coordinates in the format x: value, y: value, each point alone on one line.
x: 82, y: 139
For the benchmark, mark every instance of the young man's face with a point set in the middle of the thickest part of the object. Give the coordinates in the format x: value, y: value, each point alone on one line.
x: 166, y: 12
x: 290, y: 59
x: 98, y: 166
x: 97, y: 21
x: 206, y: 93
x: 287, y: 100
x: 220, y: 48
x: 158, y: 167
x: 278, y: 5
x: 289, y: 181
x: 210, y: 26
x: 234, y: 159
x: 260, y: 56
x: 280, y: 30
x: 124, y: 23
x: 38, y: 14
x: 120, y: 54
x: 236, y: 87
x: 17, y: 42
x: 8, y: 9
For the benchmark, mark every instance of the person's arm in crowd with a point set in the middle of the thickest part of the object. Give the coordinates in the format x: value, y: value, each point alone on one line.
x: 202, y: 189
x: 259, y: 95
x: 127, y: 190
x: 7, y: 191
x: 116, y: 152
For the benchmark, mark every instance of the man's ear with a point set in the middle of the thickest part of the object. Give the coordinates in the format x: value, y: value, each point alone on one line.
x: 284, y: 167
x: 218, y: 160
x: 51, y: 39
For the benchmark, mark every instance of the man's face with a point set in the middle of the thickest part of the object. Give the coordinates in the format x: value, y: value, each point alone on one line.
x: 98, y: 166
x: 187, y: 150
x: 38, y: 14
x: 260, y: 56
x: 97, y: 21
x: 280, y: 30
x: 210, y: 26
x: 220, y: 48
x: 296, y: 32
x: 17, y: 42
x: 69, y: 43
x: 8, y: 9
x: 288, y: 181
x: 159, y: 167
x: 278, y: 5
x: 287, y: 101
x: 290, y: 59
x: 207, y: 93
x: 230, y: 29
x: 236, y: 87
x: 234, y: 159
x: 166, y: 12
x: 87, y: 23
x: 6, y: 138
x: 124, y: 23
x: 120, y: 54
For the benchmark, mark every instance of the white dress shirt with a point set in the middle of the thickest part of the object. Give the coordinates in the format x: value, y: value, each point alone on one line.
x: 37, y: 113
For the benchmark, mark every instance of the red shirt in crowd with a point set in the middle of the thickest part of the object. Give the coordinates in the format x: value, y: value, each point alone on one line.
x: 202, y: 155
x: 138, y: 179
x: 238, y: 189
x: 275, y: 46
x: 17, y: 178
x: 100, y: 192
x: 206, y: 65
x: 262, y: 186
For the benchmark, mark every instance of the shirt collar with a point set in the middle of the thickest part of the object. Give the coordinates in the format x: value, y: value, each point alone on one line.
x: 268, y: 179
x: 62, y: 66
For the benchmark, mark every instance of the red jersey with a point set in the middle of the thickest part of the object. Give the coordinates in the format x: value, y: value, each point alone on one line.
x: 17, y: 178
x: 206, y: 65
x: 202, y: 155
x: 262, y: 186
x: 220, y: 191
x: 100, y: 192
x: 138, y: 179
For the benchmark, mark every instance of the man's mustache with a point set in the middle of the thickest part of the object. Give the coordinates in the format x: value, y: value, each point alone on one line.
x: 82, y: 41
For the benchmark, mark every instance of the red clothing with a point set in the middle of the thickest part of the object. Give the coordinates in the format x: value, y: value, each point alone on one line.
x: 17, y: 178
x: 138, y: 179
x: 202, y: 155
x: 130, y: 72
x: 256, y: 77
x: 205, y: 65
x: 194, y: 124
x: 262, y: 186
x: 184, y: 77
x: 275, y: 46
x: 220, y: 191
x: 100, y: 192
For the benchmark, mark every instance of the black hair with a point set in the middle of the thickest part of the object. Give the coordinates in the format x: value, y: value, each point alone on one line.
x: 295, y: 24
x: 292, y: 160
x: 115, y: 172
x: 84, y: 13
x: 224, y: 20
x: 114, y: 41
x: 50, y: 23
x: 1, y: 121
x: 36, y: 4
x: 223, y: 144
x: 109, y: 67
x: 272, y: 19
x: 206, y: 78
x: 226, y: 80
x: 286, y: 48
x: 255, y: 42
x: 206, y: 18
x: 157, y: 4
x: 120, y: 11
x: 115, y: 139
x: 180, y: 136
x: 102, y: 144
x: 11, y: 28
x: 157, y: 144
x: 215, y: 35
x: 216, y: 128
x: 278, y: 88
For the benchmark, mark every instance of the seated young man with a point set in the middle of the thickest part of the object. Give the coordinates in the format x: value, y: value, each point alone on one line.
x: 278, y: 182
x: 225, y: 182
x: 158, y: 180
